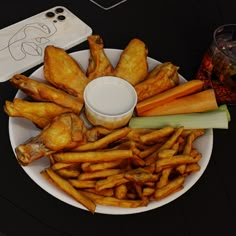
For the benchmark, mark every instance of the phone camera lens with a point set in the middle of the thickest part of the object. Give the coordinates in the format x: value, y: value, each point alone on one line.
x: 61, y: 18
x: 59, y: 10
x: 50, y: 14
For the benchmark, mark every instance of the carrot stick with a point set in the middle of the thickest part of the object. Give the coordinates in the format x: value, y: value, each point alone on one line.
x: 197, y: 102
x: 180, y: 90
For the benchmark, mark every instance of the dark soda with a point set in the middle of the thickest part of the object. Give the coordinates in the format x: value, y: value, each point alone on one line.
x: 218, y: 71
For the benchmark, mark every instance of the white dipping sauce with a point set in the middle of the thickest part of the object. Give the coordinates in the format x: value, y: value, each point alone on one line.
x: 110, y: 95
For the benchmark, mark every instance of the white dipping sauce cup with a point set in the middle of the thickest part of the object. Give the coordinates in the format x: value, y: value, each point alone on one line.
x: 109, y: 101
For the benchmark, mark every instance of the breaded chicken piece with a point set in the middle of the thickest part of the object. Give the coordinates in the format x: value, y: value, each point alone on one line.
x: 64, y: 132
x: 99, y: 64
x: 44, y: 92
x: 162, y: 77
x: 40, y: 113
x: 132, y: 65
x: 61, y: 70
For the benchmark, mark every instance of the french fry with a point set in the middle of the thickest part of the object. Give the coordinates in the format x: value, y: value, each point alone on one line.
x: 84, y: 165
x: 150, y: 168
x: 157, y: 134
x: 101, y: 166
x: 189, y: 143
x: 60, y: 165
x: 69, y: 189
x: 98, y: 174
x: 109, y: 192
x: 138, y: 190
x: 174, y: 161
x: 149, y: 150
x: 96, y: 133
x: 166, y: 153
x: 135, y: 133
x: 92, y: 156
x: 151, y: 158
x: 121, y: 191
x: 112, y: 201
x: 83, y: 183
x: 194, y: 152
x: 103, y: 142
x: 192, y: 168
x: 148, y: 191
x: 68, y: 173
x: 140, y: 175
x: 164, y: 179
x: 170, y: 142
x: 171, y: 187
x: 111, y: 181
x: 137, y: 161
x: 187, y: 150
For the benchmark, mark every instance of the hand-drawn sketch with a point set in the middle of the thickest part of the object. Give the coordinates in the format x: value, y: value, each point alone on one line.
x: 30, y: 40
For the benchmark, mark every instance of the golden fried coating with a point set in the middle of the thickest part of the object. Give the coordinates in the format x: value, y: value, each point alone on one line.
x: 44, y: 92
x: 132, y: 65
x: 162, y: 77
x: 99, y: 64
x: 40, y: 113
x: 61, y: 70
x: 64, y: 132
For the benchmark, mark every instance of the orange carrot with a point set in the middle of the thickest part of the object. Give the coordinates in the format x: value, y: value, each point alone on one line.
x: 178, y: 91
x: 197, y: 102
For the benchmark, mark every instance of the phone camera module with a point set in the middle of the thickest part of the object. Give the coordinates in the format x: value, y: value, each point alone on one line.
x: 50, y: 14
x: 61, y: 18
x: 59, y: 10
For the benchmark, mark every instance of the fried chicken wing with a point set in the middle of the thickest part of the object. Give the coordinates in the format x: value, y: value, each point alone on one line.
x: 64, y: 132
x: 132, y: 65
x: 99, y: 64
x: 40, y: 113
x: 44, y: 92
x: 61, y: 70
x: 162, y: 77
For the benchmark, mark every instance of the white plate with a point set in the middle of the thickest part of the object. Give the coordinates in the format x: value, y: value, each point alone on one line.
x: 21, y: 130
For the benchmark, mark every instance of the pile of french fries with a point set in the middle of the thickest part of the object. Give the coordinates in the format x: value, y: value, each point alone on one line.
x: 126, y: 167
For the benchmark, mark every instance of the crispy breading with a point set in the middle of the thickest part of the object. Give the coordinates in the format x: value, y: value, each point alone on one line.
x: 132, y: 65
x: 40, y: 113
x: 44, y: 92
x: 99, y: 64
x: 162, y: 77
x: 65, y: 131
x: 61, y: 70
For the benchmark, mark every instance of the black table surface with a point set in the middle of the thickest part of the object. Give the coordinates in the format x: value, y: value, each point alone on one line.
x: 176, y: 31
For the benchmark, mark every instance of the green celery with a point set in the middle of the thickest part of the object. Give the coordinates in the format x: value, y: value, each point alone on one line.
x: 217, y: 119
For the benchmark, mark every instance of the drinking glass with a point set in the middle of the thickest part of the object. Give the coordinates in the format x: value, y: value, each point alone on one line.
x: 218, y: 66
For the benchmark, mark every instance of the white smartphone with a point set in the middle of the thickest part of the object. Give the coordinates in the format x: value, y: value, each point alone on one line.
x: 22, y: 44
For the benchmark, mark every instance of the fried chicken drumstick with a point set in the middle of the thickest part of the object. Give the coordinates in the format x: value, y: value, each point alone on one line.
x: 64, y: 132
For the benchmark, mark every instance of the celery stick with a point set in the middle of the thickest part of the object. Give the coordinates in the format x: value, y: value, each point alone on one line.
x: 212, y: 119
x: 224, y: 107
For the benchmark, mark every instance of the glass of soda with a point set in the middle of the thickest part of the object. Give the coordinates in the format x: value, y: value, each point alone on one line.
x: 218, y: 66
